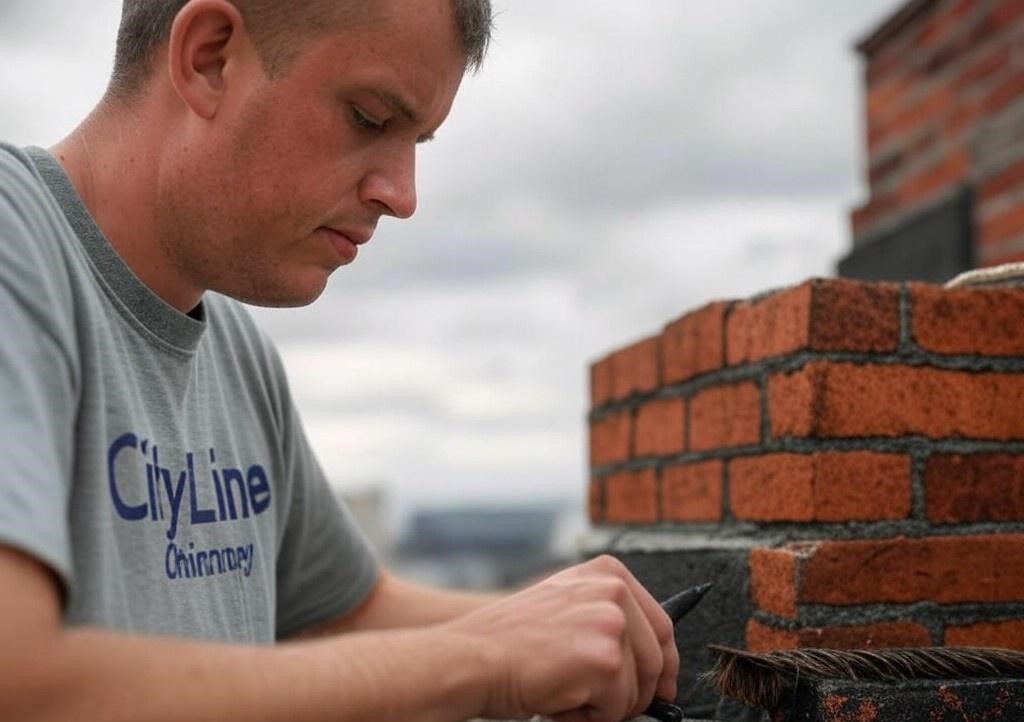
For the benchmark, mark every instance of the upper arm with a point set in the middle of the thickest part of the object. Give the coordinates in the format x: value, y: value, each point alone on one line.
x: 29, y: 608
x: 38, y: 374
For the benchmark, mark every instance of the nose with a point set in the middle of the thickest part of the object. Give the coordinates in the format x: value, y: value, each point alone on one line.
x: 391, y: 185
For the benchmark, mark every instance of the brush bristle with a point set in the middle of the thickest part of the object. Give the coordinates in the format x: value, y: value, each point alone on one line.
x: 761, y: 681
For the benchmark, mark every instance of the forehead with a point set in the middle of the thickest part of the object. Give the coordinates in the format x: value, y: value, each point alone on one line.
x: 406, y: 50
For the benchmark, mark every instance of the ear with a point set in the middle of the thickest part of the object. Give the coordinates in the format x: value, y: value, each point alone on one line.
x: 205, y: 36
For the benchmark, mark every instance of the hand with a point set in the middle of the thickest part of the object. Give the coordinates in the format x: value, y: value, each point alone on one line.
x: 586, y: 645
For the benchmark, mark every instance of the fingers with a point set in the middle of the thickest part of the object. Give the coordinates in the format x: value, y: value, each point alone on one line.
x: 649, y: 638
x: 664, y: 683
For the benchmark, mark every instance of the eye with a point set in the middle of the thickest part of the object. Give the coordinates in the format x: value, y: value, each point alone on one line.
x: 365, y: 121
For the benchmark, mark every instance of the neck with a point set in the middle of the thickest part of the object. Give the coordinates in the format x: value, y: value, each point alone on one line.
x: 113, y: 161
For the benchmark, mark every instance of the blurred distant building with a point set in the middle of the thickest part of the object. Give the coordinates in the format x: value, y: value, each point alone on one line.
x: 370, y: 508
x: 489, y: 547
x: 944, y: 108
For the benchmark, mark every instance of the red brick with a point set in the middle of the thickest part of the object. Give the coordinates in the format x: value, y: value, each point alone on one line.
x: 1006, y: 13
x: 820, y: 315
x: 635, y: 368
x: 932, y: 107
x: 725, y: 416
x: 824, y: 487
x: 779, y: 487
x: 984, y: 67
x: 949, y: 171
x: 867, y: 636
x: 761, y: 638
x: 852, y: 316
x: 947, y: 570
x: 692, y: 492
x: 773, y: 581
x: 968, y: 321
x: 883, y: 98
x: 595, y: 500
x: 1008, y: 179
x: 610, y: 439
x: 1008, y: 634
x: 693, y: 344
x: 601, y: 382
x: 938, y: 27
x: 1005, y: 93
x: 1003, y: 226
x: 772, y: 326
x: 974, y: 488
x: 834, y: 400
x: 966, y: 115
x: 1000, y: 258
x: 658, y: 430
x: 631, y: 498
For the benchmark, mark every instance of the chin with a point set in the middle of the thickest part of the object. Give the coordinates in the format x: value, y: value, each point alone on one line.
x: 279, y: 293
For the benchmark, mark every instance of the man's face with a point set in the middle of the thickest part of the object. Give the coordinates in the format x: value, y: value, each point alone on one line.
x: 268, y: 199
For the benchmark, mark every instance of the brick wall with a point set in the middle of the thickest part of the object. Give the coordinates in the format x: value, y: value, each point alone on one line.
x: 944, y: 108
x: 870, y: 435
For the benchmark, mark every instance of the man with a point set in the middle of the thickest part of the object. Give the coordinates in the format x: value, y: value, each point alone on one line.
x: 162, y: 520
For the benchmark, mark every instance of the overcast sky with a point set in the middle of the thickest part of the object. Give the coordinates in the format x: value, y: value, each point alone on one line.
x: 613, y: 165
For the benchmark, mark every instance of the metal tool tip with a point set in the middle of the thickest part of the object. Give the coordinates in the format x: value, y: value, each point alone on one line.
x: 678, y: 605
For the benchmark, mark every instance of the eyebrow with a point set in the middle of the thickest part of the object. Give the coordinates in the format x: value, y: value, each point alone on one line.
x: 398, y: 104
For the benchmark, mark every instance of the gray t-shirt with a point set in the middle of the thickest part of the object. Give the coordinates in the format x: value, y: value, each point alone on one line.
x: 152, y: 459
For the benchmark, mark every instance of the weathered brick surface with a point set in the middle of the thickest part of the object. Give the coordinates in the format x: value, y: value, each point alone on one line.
x: 631, y: 498
x: 773, y: 583
x: 979, y: 321
x: 693, y: 344
x: 848, y: 400
x: 762, y: 638
x: 1009, y: 634
x: 658, y: 430
x: 988, y: 568
x: 974, y: 488
x: 692, y: 492
x: 770, y: 326
x: 725, y: 416
x: 610, y: 439
x: 819, y: 315
x: 824, y: 487
x: 866, y: 636
x: 635, y: 369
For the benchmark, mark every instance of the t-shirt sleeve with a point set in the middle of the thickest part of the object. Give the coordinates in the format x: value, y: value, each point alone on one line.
x: 325, y: 565
x: 38, y: 383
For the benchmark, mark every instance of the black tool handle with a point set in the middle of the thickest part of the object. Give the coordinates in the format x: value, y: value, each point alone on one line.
x: 677, y: 607
x: 664, y: 711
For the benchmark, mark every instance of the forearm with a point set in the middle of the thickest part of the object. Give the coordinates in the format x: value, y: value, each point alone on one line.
x: 396, y: 603
x: 384, y: 677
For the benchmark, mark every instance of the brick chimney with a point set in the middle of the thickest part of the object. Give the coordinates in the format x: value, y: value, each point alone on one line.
x: 944, y: 121
x: 845, y: 458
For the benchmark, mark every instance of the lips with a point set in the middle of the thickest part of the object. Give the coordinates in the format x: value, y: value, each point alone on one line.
x: 346, y: 242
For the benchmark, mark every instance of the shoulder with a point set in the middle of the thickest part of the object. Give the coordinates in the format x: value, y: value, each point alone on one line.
x: 23, y: 193
x: 32, y: 226
x: 33, y: 231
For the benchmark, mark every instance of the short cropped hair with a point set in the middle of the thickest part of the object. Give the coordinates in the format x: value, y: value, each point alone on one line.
x: 278, y: 29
